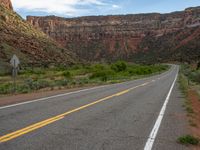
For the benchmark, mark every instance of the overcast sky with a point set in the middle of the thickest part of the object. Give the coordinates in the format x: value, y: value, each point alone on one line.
x: 74, y: 8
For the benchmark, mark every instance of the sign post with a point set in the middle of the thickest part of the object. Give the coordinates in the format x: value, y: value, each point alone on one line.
x: 14, y: 63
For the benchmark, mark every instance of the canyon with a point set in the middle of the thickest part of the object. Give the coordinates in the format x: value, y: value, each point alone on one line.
x: 140, y: 37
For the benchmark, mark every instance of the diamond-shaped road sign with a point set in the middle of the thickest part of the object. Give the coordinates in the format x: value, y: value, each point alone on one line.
x: 14, y: 61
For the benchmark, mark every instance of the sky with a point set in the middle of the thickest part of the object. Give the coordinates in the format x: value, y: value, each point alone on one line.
x: 75, y: 8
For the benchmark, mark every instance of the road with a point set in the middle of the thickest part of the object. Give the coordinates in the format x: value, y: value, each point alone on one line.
x: 143, y: 114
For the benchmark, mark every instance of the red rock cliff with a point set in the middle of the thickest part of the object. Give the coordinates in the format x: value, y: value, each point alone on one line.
x: 7, y: 4
x: 114, y: 37
x: 33, y: 47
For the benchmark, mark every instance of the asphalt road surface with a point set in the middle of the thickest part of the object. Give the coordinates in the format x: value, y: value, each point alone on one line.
x: 143, y: 114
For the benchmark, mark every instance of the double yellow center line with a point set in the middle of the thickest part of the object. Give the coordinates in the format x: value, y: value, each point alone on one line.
x: 46, y: 122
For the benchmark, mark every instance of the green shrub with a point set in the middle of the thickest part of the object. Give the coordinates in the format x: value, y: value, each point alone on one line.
x: 6, y: 88
x: 119, y: 66
x: 36, y: 84
x: 132, y: 72
x: 98, y: 67
x: 82, y: 81
x: 103, y: 75
x: 67, y: 74
x: 42, y: 84
x: 29, y: 82
x: 183, y: 82
x: 188, y: 139
x: 22, y: 89
x: 143, y: 71
x: 37, y: 71
x: 99, y: 74
x: 195, y: 76
x: 64, y: 82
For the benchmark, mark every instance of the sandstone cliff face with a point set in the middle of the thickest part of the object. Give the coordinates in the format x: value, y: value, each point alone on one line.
x: 6, y: 3
x: 30, y: 45
x: 115, y: 37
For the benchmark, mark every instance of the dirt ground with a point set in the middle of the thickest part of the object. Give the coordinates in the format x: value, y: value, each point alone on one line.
x: 195, y: 103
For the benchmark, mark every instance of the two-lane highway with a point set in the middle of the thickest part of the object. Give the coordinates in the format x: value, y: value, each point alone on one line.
x: 127, y: 116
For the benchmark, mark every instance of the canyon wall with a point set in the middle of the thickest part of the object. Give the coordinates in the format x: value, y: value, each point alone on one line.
x: 33, y: 47
x: 6, y: 3
x: 109, y: 38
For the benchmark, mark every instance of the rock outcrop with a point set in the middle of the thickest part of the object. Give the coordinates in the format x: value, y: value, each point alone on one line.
x: 33, y: 47
x: 116, y: 37
x: 7, y: 4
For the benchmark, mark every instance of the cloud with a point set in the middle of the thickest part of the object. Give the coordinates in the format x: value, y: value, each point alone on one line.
x: 59, y: 7
x: 115, y: 6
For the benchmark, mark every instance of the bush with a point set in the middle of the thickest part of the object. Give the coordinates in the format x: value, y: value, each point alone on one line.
x: 23, y: 89
x: 132, y: 72
x: 188, y: 139
x: 67, y: 74
x: 99, y: 74
x: 142, y: 71
x: 29, y: 82
x: 103, y: 75
x: 42, y: 84
x: 36, y: 85
x: 64, y: 82
x: 195, y: 76
x: 119, y: 66
x: 6, y: 88
x: 98, y: 67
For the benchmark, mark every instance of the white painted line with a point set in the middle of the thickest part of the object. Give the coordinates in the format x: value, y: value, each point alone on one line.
x: 50, y: 97
x: 153, y: 134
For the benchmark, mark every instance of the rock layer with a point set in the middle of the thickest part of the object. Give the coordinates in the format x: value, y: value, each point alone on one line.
x: 33, y: 47
x: 6, y: 3
x: 117, y: 37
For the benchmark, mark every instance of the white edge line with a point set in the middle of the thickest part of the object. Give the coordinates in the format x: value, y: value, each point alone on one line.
x: 46, y: 98
x: 60, y: 95
x: 153, y: 134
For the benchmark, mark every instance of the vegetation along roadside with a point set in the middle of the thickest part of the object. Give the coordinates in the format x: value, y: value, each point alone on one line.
x: 189, y: 79
x: 35, y: 79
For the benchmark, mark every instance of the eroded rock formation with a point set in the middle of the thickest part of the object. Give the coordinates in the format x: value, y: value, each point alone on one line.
x: 30, y: 45
x: 6, y: 3
x: 119, y: 37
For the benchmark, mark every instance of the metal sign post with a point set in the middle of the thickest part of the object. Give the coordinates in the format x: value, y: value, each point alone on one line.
x: 14, y: 63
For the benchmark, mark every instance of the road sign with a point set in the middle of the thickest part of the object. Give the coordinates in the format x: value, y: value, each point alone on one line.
x: 14, y: 61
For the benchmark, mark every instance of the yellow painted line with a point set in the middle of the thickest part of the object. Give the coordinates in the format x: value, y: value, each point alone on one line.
x: 18, y: 133
x: 46, y: 122
x: 122, y: 93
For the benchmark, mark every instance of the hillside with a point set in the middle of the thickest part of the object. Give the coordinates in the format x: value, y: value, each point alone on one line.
x: 32, y: 46
x: 140, y: 37
x: 181, y: 46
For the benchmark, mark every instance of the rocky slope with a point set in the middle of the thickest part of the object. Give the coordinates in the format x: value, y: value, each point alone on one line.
x: 32, y: 46
x: 138, y: 37
x: 7, y: 4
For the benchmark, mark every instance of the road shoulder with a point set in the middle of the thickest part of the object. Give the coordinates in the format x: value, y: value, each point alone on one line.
x: 174, y: 124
